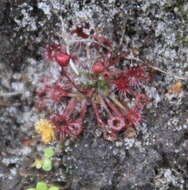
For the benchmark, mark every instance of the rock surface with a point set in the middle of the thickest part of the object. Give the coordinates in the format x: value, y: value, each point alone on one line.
x: 157, y: 158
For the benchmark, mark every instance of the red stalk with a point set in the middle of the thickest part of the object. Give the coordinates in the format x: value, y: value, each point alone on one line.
x: 113, y: 108
x: 105, y: 106
x: 70, y: 108
x: 96, y: 110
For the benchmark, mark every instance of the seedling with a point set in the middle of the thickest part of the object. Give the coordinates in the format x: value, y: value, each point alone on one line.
x: 37, y: 164
x: 53, y: 188
x: 43, y: 186
x: 48, y: 152
x: 46, y: 162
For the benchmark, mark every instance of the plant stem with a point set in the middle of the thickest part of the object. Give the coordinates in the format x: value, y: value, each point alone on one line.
x: 113, y: 107
x: 70, y: 107
x: 116, y: 102
x: 96, y: 110
x: 74, y: 85
x: 103, y: 103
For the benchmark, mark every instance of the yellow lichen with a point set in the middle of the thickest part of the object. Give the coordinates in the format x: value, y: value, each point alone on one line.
x: 45, y: 129
x: 176, y: 88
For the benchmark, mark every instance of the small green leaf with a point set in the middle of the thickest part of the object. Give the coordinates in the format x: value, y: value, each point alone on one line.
x: 53, y: 188
x: 47, y: 164
x: 30, y: 188
x: 48, y: 152
x: 41, y: 186
x: 37, y: 164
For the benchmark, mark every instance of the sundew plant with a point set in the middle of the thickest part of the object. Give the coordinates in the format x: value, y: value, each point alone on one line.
x: 93, y: 76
